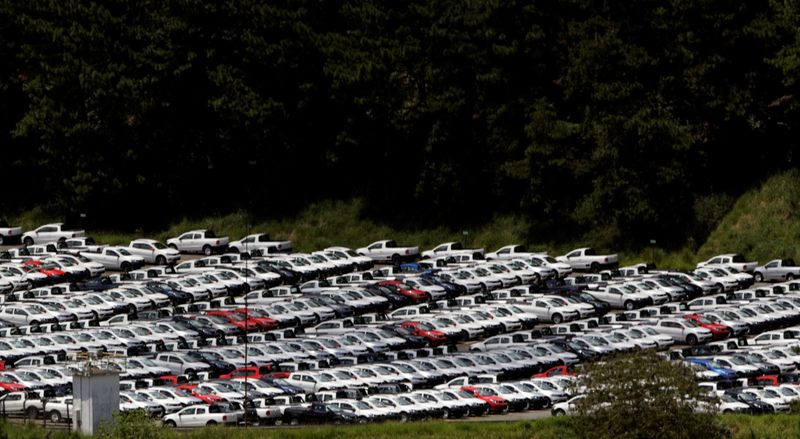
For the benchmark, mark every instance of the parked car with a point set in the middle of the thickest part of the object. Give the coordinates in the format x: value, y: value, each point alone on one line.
x: 587, y: 259
x: 199, y: 241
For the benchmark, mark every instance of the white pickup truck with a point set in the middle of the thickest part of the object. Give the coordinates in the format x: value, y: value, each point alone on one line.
x: 587, y: 259
x: 8, y: 234
x: 388, y: 250
x: 515, y: 251
x: 115, y: 258
x: 199, y: 241
x: 201, y: 415
x: 732, y: 260
x: 260, y: 241
x: 452, y: 248
x: 50, y: 233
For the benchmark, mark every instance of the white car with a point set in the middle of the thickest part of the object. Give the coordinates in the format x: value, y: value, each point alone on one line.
x: 683, y: 331
x: 8, y: 234
x: 153, y: 252
x: 389, y: 251
x: 734, y: 260
x: 200, y: 415
x: 451, y: 248
x: 587, y: 259
x: 260, y: 241
x: 553, y: 309
x: 514, y: 251
x: 115, y: 258
x: 50, y: 233
x: 199, y: 241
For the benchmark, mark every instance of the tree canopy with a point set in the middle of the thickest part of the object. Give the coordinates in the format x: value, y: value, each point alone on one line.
x: 628, y: 119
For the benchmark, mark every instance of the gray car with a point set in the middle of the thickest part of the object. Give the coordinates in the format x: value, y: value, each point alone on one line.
x: 777, y: 270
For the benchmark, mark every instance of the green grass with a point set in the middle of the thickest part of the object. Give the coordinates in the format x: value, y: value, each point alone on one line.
x: 741, y: 427
x: 763, y: 224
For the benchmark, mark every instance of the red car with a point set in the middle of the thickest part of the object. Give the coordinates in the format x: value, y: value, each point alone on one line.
x: 497, y: 404
x: 265, y: 323
x: 48, y: 270
x: 406, y: 290
x: 253, y: 372
x: 554, y: 371
x: 426, y: 331
x: 718, y: 332
x: 237, y: 319
x: 777, y: 380
x: 191, y: 390
x: 11, y: 387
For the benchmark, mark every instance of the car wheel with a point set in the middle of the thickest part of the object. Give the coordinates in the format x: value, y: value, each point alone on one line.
x: 161, y: 260
x: 171, y: 424
x: 547, y: 402
x: 595, y: 267
x: 691, y: 339
x: 395, y: 259
x: 125, y: 267
x: 669, y: 297
x: 28, y: 241
x: 207, y: 250
x: 557, y: 318
x: 760, y: 277
x: 294, y: 421
x: 211, y: 423
x: 131, y: 308
x: 446, y: 414
x: 721, y: 288
x: 234, y: 250
x: 559, y: 412
x: 403, y: 417
x: 361, y: 420
x: 278, y: 422
x: 628, y: 305
x: 33, y: 323
x: 790, y: 276
x: 32, y: 412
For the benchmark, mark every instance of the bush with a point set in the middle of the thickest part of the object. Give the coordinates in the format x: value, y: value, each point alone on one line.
x: 134, y: 424
x: 642, y: 395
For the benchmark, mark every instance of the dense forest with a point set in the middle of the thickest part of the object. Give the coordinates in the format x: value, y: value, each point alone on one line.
x: 630, y: 119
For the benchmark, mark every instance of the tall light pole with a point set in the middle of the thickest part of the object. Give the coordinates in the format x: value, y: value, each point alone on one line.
x: 246, y: 324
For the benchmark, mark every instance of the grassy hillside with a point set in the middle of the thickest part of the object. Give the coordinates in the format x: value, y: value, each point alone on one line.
x: 764, y: 223
x: 741, y: 427
x: 328, y: 223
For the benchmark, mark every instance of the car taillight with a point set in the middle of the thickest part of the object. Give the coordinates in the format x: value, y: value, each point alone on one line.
x: 217, y: 243
x: 605, y: 260
x: 224, y: 418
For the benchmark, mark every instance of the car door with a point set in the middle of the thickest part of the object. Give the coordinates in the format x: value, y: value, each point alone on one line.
x: 773, y: 272
x: 45, y: 233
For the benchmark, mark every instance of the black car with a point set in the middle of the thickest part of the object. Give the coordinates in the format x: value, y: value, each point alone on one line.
x: 317, y: 413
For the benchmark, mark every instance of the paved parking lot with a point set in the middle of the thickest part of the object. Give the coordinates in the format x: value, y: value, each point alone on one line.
x: 227, y: 332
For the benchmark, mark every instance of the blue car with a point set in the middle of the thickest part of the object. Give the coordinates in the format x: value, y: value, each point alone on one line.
x: 712, y: 366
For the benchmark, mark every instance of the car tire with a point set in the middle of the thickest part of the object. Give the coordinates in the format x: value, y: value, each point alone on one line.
x: 28, y: 241
x: 361, y: 420
x: 207, y: 250
x: 125, y: 267
x: 54, y: 416
x: 278, y: 422
x: 628, y: 305
x: 758, y: 277
x: 669, y: 297
x: 395, y: 259
x: 559, y: 412
x: 294, y: 421
x: 33, y: 323
x: 595, y: 267
x: 691, y: 339
x: 721, y: 288
x: 32, y: 412
x: 171, y: 424
x: 557, y: 318
x: 446, y: 414
x: 790, y: 276
x: 160, y: 260
x: 547, y: 403
x: 211, y: 423
x: 403, y: 417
